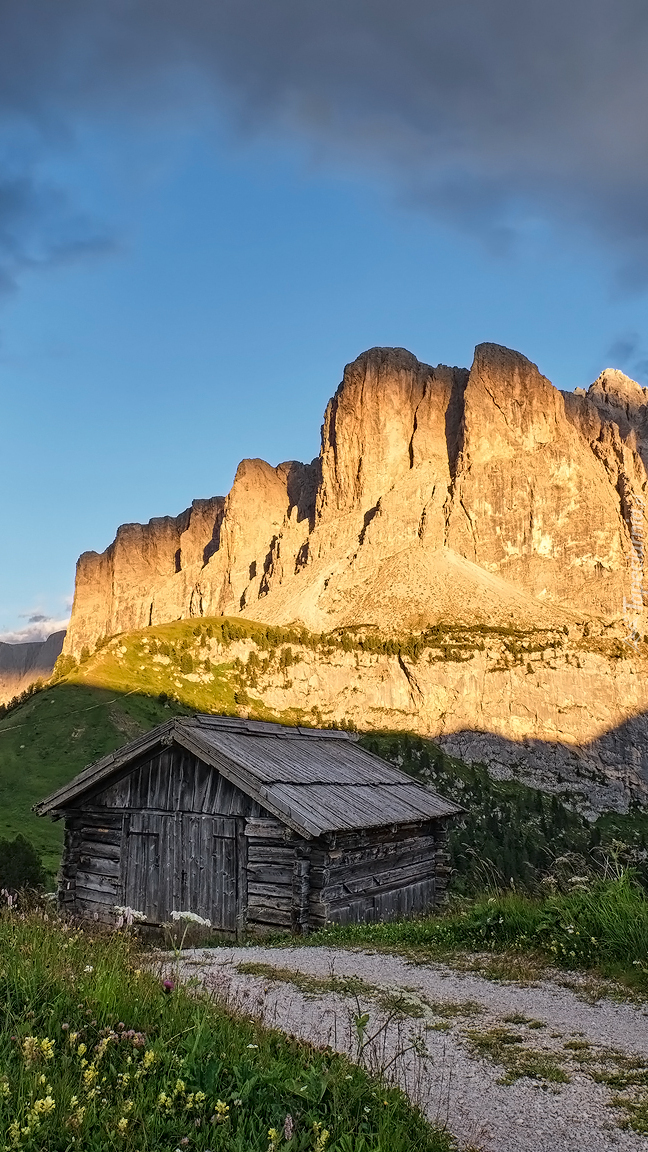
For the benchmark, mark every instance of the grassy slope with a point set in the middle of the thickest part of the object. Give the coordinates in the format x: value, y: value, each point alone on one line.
x: 125, y: 688
x: 69, y: 1005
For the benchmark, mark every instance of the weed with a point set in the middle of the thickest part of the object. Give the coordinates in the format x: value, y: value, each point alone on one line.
x: 508, y: 1049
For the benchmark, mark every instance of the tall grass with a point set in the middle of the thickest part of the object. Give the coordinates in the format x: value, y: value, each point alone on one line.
x: 95, y: 1054
x: 602, y: 924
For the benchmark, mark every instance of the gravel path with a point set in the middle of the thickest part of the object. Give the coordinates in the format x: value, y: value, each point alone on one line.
x: 451, y: 1016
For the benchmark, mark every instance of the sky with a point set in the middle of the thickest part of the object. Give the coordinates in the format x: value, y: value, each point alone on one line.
x: 208, y: 208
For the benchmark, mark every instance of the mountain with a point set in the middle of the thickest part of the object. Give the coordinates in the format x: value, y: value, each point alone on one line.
x: 440, y: 494
x: 22, y: 664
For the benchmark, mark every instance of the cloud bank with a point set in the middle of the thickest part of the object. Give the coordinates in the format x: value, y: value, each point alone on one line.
x: 498, y: 116
x: 37, y: 630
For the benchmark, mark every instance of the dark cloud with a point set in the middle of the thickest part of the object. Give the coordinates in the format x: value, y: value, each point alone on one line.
x: 489, y: 113
x: 627, y: 351
x: 38, y: 618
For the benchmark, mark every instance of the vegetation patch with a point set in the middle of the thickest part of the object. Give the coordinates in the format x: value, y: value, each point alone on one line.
x: 602, y: 927
x: 98, y: 1053
x: 391, y: 1000
x: 508, y: 1049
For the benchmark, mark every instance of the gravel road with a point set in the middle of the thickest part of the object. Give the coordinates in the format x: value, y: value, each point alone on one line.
x: 450, y: 1038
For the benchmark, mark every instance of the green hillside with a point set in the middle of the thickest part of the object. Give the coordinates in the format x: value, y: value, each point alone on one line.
x: 131, y: 683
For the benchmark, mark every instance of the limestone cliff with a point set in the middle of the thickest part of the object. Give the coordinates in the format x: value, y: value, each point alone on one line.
x: 439, y: 493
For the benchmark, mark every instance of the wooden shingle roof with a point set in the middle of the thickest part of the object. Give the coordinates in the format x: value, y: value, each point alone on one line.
x: 314, y: 780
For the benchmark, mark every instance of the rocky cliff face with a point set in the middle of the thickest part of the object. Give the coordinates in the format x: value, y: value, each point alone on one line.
x: 439, y: 493
x: 22, y: 664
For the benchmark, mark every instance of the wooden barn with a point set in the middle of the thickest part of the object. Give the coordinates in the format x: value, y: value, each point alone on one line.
x: 253, y: 826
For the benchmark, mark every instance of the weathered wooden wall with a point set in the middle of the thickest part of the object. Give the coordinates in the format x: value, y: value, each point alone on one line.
x: 382, y: 874
x: 213, y: 850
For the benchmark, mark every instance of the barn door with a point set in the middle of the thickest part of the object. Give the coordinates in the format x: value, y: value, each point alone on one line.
x: 208, y: 868
x: 142, y: 877
x: 181, y: 863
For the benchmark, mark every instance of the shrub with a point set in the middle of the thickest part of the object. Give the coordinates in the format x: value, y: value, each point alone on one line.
x: 20, y: 865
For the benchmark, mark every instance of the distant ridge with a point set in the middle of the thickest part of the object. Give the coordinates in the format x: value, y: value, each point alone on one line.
x: 22, y: 664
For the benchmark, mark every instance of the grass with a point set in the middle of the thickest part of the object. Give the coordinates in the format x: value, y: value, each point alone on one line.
x: 96, y: 1055
x: 397, y: 1002
x: 600, y: 927
x: 508, y: 1049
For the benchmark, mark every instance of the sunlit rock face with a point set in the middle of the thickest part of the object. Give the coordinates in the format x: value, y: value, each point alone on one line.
x: 439, y: 494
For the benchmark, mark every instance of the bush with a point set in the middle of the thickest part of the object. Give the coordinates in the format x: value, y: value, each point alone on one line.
x: 20, y: 865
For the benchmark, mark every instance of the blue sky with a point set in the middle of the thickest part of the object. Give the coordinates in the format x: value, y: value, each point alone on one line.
x: 192, y: 245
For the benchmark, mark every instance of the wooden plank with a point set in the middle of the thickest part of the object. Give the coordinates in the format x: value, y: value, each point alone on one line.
x: 266, y: 829
x: 269, y: 874
x: 99, y: 866
x: 267, y: 854
x: 258, y: 904
x: 270, y: 891
x: 96, y: 882
x: 242, y: 880
x: 271, y: 916
x: 99, y: 849
x: 92, y: 896
x: 300, y: 892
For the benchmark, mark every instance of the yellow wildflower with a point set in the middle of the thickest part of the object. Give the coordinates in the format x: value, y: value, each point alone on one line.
x: 73, y: 1037
x: 274, y: 1139
x: 179, y: 1088
x: 44, y: 1106
x: 82, y: 1049
x: 128, y: 1105
x: 31, y: 1048
x: 200, y: 1098
x: 47, y: 1048
x: 89, y: 1076
x: 74, y: 1101
x: 122, y: 1125
x: 149, y: 1058
x: 4, y: 1087
x: 14, y: 1133
x: 221, y: 1108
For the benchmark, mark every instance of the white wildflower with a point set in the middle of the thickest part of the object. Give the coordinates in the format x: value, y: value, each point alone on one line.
x: 128, y: 916
x: 191, y: 916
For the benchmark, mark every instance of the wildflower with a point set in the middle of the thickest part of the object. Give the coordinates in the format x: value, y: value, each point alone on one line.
x: 89, y: 1076
x: 274, y: 1139
x: 88, y: 968
x: 31, y: 1049
x: 4, y: 1087
x: 47, y: 1048
x: 288, y: 1127
x: 192, y: 917
x: 122, y: 1125
x: 221, y: 1112
x: 44, y: 1107
x: 82, y: 1049
x: 168, y: 986
x: 149, y: 1058
x: 253, y: 1045
x: 64, y: 1027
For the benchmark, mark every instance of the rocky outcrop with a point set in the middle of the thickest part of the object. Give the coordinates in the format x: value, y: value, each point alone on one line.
x: 439, y: 493
x: 22, y: 664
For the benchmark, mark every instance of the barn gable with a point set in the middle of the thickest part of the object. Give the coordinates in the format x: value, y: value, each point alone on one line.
x: 252, y: 825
